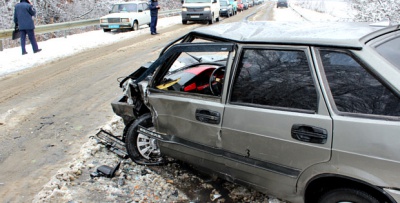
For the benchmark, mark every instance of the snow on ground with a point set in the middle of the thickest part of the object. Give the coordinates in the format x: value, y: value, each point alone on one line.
x: 12, y: 59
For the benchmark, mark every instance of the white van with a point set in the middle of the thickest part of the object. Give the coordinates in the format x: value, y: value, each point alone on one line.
x: 200, y: 10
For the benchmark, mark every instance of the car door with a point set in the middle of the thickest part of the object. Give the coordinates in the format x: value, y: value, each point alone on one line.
x: 276, y: 123
x: 192, y: 118
x: 145, y: 14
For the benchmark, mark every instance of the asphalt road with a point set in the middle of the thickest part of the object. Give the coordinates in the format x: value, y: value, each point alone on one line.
x: 51, y: 109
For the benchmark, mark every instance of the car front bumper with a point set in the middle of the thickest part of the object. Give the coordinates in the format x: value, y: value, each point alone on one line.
x: 196, y: 16
x: 223, y: 12
x: 115, y: 25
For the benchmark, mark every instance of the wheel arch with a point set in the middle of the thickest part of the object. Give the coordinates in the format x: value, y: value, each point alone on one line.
x: 322, y: 183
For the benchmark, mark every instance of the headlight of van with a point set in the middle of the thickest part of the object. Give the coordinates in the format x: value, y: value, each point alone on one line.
x: 104, y: 20
x: 207, y: 9
x: 124, y: 20
x: 184, y: 9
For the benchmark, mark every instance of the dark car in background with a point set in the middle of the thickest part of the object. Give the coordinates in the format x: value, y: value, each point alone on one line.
x: 226, y: 8
x: 282, y: 3
x: 304, y: 112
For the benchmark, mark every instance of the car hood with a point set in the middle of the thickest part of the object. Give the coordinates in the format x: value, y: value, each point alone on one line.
x: 118, y: 15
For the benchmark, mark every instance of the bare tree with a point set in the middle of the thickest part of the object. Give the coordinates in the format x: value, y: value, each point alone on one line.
x: 377, y: 10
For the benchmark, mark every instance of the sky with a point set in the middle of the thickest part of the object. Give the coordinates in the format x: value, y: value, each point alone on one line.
x: 12, y: 60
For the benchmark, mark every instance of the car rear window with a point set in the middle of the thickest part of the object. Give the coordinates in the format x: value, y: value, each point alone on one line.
x: 356, y: 90
x: 390, y: 50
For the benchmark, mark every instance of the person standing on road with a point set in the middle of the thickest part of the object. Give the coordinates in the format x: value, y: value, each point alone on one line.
x: 154, y: 16
x: 23, y: 14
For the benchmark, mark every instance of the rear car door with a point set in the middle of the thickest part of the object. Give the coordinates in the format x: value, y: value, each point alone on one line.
x: 276, y: 123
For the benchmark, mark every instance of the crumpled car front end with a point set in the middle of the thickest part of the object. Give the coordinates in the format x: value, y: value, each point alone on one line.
x: 131, y: 104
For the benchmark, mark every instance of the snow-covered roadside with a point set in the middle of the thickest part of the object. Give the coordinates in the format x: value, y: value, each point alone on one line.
x: 135, y: 183
x: 74, y: 184
x: 54, y: 49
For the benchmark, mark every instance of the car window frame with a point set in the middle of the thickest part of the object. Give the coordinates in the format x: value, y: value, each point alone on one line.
x: 332, y: 104
x: 169, y: 58
x: 321, y: 107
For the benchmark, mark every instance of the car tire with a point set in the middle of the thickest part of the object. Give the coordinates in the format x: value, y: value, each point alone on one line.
x: 135, y: 26
x: 212, y: 20
x: 184, y: 22
x: 347, y: 195
x: 140, y: 147
x: 217, y: 19
x: 106, y: 30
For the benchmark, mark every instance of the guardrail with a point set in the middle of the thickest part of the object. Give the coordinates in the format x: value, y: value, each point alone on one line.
x: 70, y: 25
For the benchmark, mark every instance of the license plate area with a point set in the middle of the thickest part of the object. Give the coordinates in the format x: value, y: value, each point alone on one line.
x: 113, y: 26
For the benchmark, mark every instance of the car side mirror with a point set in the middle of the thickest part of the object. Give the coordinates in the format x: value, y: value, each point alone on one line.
x: 109, y: 11
x: 215, y: 1
x: 182, y: 1
x: 140, y: 10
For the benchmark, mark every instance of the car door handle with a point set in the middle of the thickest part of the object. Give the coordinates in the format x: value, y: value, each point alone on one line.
x: 207, y: 116
x: 306, y: 133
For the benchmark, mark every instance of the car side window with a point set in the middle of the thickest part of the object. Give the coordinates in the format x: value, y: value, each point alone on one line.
x: 145, y: 7
x: 275, y: 78
x: 354, y: 89
x: 196, y: 72
x: 140, y: 7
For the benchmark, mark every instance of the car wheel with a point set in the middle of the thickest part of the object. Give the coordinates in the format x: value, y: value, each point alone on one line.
x: 217, y: 19
x: 184, y: 22
x: 347, y: 195
x: 106, y: 30
x: 140, y: 147
x: 135, y: 26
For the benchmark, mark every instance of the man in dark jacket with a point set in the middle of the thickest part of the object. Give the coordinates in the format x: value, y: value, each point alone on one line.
x: 154, y: 15
x: 23, y: 14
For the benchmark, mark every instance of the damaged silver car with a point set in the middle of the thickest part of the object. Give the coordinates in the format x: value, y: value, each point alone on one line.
x: 304, y: 112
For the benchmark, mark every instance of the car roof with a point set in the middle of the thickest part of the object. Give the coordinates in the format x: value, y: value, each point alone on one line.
x: 336, y: 34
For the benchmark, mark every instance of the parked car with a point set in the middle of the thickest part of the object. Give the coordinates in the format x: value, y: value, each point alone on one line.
x: 251, y: 3
x: 240, y: 6
x: 200, y: 11
x: 245, y: 4
x: 234, y: 6
x: 304, y: 112
x: 226, y: 8
x: 127, y: 15
x: 281, y: 3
